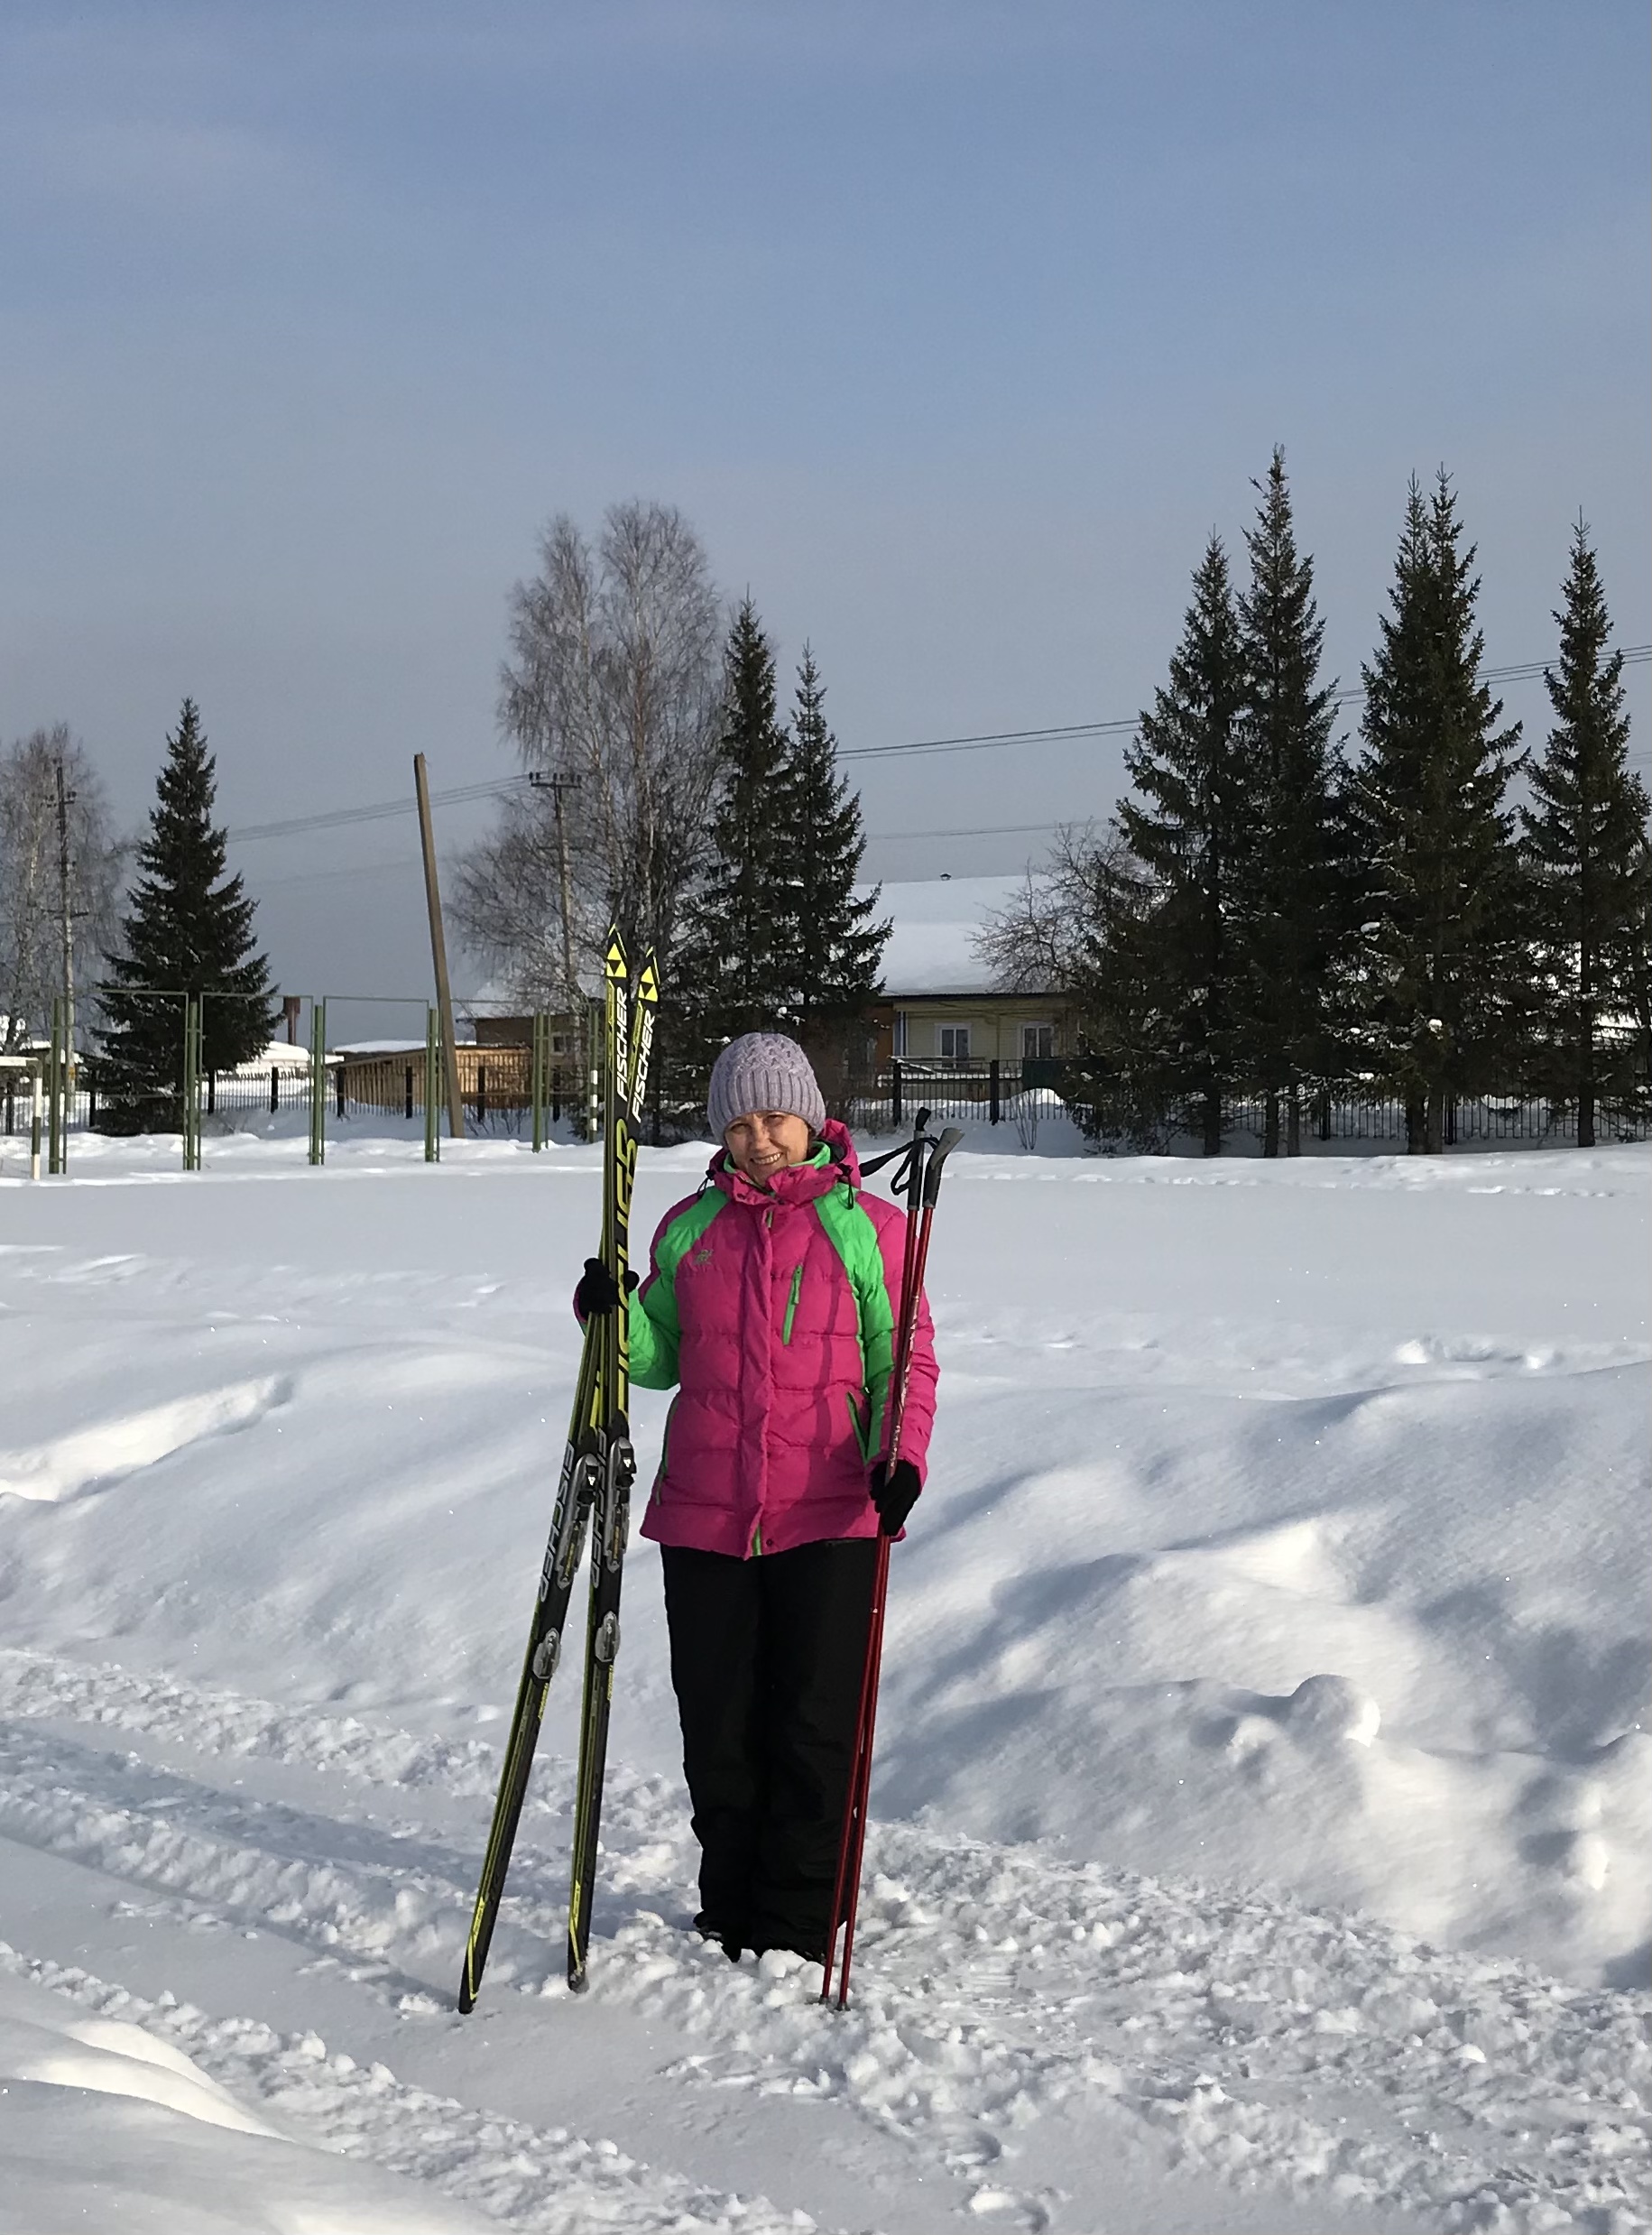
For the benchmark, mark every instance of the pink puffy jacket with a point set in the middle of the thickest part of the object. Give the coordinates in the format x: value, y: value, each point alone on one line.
x: 774, y: 1310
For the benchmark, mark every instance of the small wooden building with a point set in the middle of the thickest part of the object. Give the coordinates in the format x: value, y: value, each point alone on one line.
x: 390, y: 1076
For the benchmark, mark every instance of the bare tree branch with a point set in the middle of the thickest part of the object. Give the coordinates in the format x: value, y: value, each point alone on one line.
x: 31, y: 881
x: 1045, y: 939
x: 613, y: 685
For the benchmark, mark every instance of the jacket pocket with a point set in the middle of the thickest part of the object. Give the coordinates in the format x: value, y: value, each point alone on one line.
x: 665, y: 1453
x: 792, y: 1305
x: 862, y: 1427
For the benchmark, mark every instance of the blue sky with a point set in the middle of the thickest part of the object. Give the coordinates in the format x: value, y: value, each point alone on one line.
x: 956, y: 329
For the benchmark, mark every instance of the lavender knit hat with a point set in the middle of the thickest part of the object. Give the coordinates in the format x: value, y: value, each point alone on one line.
x: 763, y: 1071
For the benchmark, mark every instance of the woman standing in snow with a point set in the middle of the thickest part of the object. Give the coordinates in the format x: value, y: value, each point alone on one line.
x: 772, y: 1300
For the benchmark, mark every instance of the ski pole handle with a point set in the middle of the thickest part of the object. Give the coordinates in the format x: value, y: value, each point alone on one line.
x: 938, y: 1155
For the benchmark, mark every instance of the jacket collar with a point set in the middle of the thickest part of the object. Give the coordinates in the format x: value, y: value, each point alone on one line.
x: 833, y: 1164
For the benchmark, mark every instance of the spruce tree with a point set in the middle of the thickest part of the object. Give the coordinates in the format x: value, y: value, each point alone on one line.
x: 1292, y: 890
x: 1439, y: 905
x: 1585, y: 847
x: 189, y: 928
x: 1636, y: 972
x: 1187, y: 763
x: 838, y: 947
x: 737, y: 948
x: 1123, y: 1080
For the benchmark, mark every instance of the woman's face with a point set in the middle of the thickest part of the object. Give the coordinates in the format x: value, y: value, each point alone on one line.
x: 765, y: 1142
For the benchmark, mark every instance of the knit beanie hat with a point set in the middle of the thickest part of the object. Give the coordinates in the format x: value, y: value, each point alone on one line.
x: 763, y: 1071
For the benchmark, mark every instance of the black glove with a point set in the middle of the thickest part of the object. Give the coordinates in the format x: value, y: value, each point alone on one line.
x: 894, y: 1491
x: 598, y: 1292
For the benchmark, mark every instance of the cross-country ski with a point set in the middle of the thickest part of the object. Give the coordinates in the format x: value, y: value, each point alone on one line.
x: 593, y: 1496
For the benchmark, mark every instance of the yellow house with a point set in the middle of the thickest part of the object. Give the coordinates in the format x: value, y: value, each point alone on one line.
x: 939, y: 1009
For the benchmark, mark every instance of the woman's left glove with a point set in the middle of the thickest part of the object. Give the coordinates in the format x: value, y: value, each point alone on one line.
x: 894, y: 1491
x: 598, y: 1291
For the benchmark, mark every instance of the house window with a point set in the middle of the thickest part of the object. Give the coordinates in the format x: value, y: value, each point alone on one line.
x: 955, y: 1043
x: 1038, y: 1042
x: 901, y: 1032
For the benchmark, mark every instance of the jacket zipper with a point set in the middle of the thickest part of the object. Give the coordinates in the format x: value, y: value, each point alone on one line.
x: 791, y: 1308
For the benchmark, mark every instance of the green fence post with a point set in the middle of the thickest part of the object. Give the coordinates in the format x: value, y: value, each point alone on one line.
x: 536, y: 1080
x: 318, y: 1081
x: 55, y: 1092
x: 66, y: 1058
x: 183, y: 1105
x: 432, y: 1088
x: 191, y: 1082
x: 200, y: 1076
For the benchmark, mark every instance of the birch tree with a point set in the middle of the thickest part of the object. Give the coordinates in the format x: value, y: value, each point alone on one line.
x: 611, y: 696
x: 32, y: 891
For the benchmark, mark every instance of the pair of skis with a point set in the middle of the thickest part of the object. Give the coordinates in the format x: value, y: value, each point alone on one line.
x: 594, y: 1493
x: 919, y: 1178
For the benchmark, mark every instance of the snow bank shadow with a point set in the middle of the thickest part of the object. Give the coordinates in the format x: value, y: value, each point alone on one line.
x: 1577, y: 1690
x: 91, y: 1459
x: 1631, y: 1974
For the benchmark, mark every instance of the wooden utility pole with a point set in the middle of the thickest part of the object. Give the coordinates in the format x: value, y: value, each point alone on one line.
x: 573, y: 1007
x: 65, y: 890
x: 557, y: 785
x: 439, y: 950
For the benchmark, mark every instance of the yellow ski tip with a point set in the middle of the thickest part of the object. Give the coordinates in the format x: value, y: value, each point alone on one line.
x: 613, y: 955
x: 648, y: 980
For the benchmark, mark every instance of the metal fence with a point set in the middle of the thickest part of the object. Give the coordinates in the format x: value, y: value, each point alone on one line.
x: 281, y: 1088
x: 493, y: 1092
x: 1024, y: 1096
x: 512, y: 1091
x: 1490, y: 1117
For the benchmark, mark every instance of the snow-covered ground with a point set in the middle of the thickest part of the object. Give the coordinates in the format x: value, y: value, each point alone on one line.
x: 1265, y: 1829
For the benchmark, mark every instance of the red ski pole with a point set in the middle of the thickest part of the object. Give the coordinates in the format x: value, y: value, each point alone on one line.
x: 922, y: 1185
x: 909, y: 1181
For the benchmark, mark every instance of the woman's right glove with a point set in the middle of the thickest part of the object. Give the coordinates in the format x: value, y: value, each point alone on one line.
x: 598, y: 1291
x: 894, y: 1491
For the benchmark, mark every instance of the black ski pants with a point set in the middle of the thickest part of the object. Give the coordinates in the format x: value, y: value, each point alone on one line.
x: 767, y: 1656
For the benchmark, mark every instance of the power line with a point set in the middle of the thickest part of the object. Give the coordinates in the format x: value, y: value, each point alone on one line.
x: 989, y: 738
x: 984, y: 741
x: 1520, y: 671
x: 985, y: 830
x: 379, y: 811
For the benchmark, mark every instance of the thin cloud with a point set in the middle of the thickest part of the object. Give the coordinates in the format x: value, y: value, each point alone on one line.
x: 154, y: 160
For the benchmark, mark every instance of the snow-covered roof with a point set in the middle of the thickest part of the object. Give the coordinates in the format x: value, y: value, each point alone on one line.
x: 280, y: 1055
x: 403, y: 1047
x: 495, y: 998
x: 932, y: 949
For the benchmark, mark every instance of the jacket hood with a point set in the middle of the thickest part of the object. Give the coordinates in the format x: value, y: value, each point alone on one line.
x: 798, y: 1183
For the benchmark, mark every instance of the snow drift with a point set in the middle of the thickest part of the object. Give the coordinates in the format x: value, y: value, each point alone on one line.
x: 1286, y: 1545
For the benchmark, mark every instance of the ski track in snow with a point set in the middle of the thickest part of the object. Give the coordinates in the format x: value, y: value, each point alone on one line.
x: 998, y: 1988
x: 528, y: 2177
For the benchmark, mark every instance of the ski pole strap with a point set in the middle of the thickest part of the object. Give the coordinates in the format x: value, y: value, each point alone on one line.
x: 876, y: 1164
